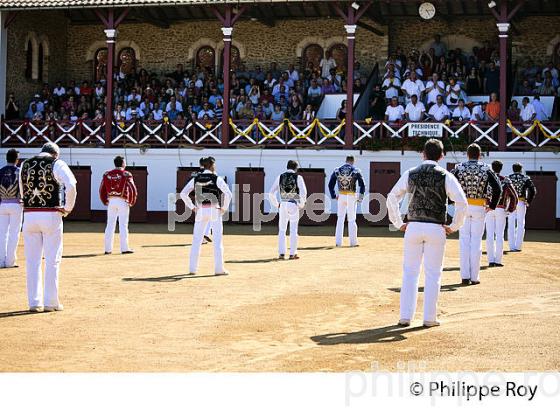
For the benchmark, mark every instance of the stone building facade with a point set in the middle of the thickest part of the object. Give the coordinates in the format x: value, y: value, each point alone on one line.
x: 71, y: 48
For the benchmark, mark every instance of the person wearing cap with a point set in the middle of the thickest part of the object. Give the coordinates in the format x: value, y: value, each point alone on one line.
x: 526, y: 192
x: 11, y: 210
x: 48, y: 191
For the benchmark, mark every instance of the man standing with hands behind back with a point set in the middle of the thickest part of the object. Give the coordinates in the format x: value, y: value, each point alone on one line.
x: 429, y: 186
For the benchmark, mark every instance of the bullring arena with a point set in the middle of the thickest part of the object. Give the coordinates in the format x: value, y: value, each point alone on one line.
x: 255, y: 84
x: 335, y: 309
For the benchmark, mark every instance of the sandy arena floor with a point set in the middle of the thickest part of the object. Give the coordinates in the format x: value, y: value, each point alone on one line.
x: 333, y: 310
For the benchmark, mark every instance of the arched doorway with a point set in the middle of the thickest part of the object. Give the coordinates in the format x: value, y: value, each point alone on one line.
x: 100, y: 65
x: 235, y: 59
x: 29, y: 60
x: 340, y: 54
x: 206, y: 58
x: 556, y: 55
x: 127, y: 61
x: 313, y: 53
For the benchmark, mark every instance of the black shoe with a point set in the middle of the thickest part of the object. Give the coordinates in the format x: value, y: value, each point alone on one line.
x: 466, y: 282
x: 498, y: 265
x: 475, y: 282
x: 207, y: 238
x: 491, y: 265
x: 127, y: 252
x: 281, y: 256
x: 108, y: 253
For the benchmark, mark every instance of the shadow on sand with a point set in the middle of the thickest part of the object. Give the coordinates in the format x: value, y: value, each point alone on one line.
x: 385, y: 334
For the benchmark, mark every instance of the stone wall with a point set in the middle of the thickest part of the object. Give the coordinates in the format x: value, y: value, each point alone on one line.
x: 532, y: 40
x: 161, y: 49
x: 51, y: 28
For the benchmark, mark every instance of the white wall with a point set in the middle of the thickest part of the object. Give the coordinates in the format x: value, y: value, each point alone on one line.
x: 162, y: 164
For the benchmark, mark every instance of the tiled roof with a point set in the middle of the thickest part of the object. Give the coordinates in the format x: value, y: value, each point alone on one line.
x: 64, y: 4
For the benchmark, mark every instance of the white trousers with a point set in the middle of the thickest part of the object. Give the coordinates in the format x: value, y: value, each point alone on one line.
x: 346, y: 207
x: 42, y: 235
x: 10, y: 225
x: 118, y: 209
x: 207, y: 216
x: 422, y: 241
x: 288, y: 212
x: 516, y: 226
x: 470, y: 242
x: 495, y: 226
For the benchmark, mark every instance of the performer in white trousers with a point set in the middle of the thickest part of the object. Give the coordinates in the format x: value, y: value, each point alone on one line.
x: 48, y: 190
x: 207, y: 238
x: 477, y: 180
x: 347, y: 178
x: 11, y: 210
x: 496, y: 219
x: 526, y: 192
x: 212, y: 199
x: 293, y: 194
x: 118, y: 192
x: 428, y: 186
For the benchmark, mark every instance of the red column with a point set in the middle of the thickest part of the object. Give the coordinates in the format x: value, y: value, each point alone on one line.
x: 227, y: 62
x: 351, y: 35
x: 111, y: 34
x: 502, y: 134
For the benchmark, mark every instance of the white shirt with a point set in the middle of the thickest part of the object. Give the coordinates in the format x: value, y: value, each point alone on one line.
x: 454, y: 94
x: 478, y: 113
x: 59, y: 91
x: 527, y: 112
x: 394, y: 113
x: 392, y: 87
x: 438, y: 112
x: 139, y: 113
x: 539, y: 108
x: 432, y: 94
x: 415, y: 112
x: 158, y: 115
x: 452, y: 187
x: 464, y: 113
x: 413, y: 88
x: 63, y: 176
x: 178, y: 106
x: 326, y: 66
x: 202, y: 113
x: 272, y: 195
x: 134, y: 97
x: 221, y: 185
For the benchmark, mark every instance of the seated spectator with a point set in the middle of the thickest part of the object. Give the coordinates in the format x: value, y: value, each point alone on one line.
x: 415, y: 109
x: 341, y: 112
x: 391, y: 86
x: 174, y: 104
x: 247, y: 113
x: 439, y: 111
x: 493, y: 108
x: 394, y: 112
x: 134, y: 113
x: 474, y: 87
x: 327, y: 87
x: 550, y: 69
x: 157, y: 112
x: 294, y: 108
x: 12, y: 108
x: 434, y: 88
x: 219, y: 109
x: 254, y: 95
x: 259, y: 113
x: 479, y: 112
x: 539, y: 108
x: 547, y: 89
x: 314, y: 93
x: 412, y: 86
x: 524, y: 88
x: 205, y: 111
x: 453, y: 93
x: 335, y: 80
x: 308, y: 114
x: 277, y: 114
x: 513, y: 112
x: 267, y: 108
x: 119, y: 114
x: 461, y: 112
x: 528, y: 113
x: 59, y: 91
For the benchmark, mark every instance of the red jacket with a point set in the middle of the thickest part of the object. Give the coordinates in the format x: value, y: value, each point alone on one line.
x: 509, y: 198
x: 118, y: 183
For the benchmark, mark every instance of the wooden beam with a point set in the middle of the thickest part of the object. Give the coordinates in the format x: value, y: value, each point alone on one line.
x: 370, y: 28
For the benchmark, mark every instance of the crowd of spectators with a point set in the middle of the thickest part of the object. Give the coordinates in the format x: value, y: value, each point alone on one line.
x: 436, y: 86
x: 197, y: 95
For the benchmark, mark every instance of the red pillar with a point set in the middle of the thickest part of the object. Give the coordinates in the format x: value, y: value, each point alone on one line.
x: 351, y: 35
x: 111, y: 34
x: 227, y: 31
x: 503, y: 28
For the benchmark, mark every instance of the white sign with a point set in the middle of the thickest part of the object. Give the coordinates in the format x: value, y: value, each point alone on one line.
x: 425, y: 129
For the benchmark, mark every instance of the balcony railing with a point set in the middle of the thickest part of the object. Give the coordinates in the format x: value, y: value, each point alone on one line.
x: 328, y: 134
